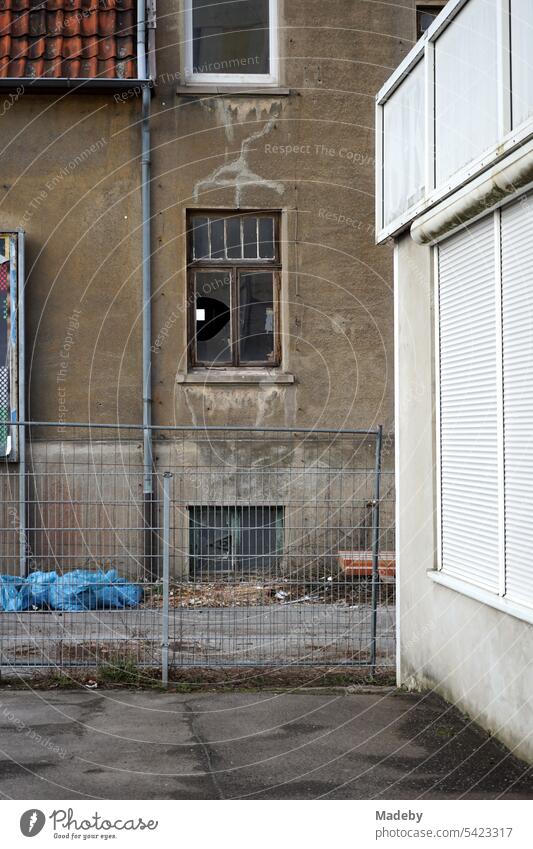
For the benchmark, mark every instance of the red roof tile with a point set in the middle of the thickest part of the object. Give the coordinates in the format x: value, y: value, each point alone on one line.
x: 73, y: 38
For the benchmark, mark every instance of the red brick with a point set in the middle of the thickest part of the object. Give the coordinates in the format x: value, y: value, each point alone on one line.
x: 20, y: 5
x: 4, y: 66
x: 5, y: 5
x: 5, y: 45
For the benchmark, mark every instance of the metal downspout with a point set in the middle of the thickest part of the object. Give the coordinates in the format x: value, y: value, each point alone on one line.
x: 146, y: 292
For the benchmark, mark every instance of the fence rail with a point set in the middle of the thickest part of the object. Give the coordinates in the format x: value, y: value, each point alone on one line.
x: 255, y: 547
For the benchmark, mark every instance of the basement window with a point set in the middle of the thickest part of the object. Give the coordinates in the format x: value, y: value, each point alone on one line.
x: 234, y: 285
x: 231, y: 42
x: 237, y: 541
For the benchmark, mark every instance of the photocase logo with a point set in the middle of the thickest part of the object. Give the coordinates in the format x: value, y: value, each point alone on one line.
x: 32, y: 822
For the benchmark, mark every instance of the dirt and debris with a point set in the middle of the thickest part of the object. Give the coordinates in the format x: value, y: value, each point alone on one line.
x: 216, y: 594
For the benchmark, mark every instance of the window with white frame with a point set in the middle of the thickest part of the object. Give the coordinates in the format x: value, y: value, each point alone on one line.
x: 485, y: 409
x: 231, y: 42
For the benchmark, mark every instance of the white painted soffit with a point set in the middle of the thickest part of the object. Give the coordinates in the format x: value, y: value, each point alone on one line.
x: 490, y: 189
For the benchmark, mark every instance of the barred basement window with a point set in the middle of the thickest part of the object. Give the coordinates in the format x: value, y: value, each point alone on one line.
x: 237, y: 541
x: 234, y: 286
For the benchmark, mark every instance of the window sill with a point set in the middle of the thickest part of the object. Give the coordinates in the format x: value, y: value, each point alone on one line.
x: 194, y: 90
x: 483, y: 596
x: 235, y: 377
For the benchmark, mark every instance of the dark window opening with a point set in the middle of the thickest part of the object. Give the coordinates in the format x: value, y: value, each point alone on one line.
x: 425, y: 15
x: 238, y: 541
x: 231, y: 36
x: 234, y: 290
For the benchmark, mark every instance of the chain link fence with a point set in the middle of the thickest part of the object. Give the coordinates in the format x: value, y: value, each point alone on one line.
x: 251, y: 548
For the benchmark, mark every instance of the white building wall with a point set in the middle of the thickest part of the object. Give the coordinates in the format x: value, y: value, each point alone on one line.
x: 472, y: 654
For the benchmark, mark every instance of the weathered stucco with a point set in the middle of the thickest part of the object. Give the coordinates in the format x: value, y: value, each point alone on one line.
x: 309, y: 153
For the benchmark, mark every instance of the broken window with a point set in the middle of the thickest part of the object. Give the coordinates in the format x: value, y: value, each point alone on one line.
x: 234, y: 290
x: 236, y: 541
x: 9, y: 263
x: 231, y: 40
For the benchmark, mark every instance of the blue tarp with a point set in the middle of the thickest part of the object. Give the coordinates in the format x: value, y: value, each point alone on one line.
x: 81, y: 589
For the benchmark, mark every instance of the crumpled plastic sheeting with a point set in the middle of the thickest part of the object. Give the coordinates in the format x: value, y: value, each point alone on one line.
x: 81, y: 589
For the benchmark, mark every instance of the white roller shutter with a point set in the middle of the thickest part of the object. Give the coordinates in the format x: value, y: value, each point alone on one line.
x: 517, y: 310
x: 469, y: 369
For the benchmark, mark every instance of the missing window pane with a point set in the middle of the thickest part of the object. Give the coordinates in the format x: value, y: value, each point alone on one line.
x: 230, y: 37
x: 213, y: 317
x: 256, y: 317
x: 249, y: 232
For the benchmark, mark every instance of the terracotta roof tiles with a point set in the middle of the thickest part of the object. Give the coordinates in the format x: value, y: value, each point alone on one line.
x: 70, y: 38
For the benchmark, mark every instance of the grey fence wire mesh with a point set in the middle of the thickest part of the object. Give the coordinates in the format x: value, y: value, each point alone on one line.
x: 255, y: 548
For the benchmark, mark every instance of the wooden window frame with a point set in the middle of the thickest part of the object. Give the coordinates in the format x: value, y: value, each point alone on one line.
x: 235, y: 269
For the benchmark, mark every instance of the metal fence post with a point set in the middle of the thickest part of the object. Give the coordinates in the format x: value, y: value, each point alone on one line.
x: 166, y: 578
x: 375, y: 551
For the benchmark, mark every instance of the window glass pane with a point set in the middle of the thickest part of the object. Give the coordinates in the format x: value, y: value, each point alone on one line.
x: 403, y: 145
x: 213, y: 317
x: 425, y: 15
x: 230, y: 36
x: 521, y: 41
x: 256, y: 317
x: 233, y: 237
x: 249, y: 229
x: 200, y: 237
x: 266, y: 238
x: 211, y: 544
x: 466, y: 88
x: 216, y: 226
